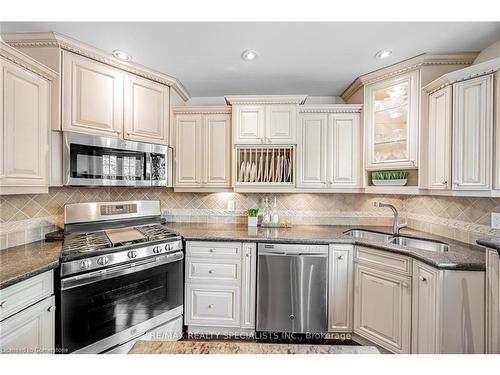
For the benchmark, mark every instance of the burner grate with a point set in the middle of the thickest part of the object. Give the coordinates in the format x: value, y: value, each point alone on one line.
x: 86, y: 242
x: 156, y: 232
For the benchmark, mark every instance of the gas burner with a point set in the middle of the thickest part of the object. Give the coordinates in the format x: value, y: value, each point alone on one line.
x: 156, y: 232
x: 86, y: 242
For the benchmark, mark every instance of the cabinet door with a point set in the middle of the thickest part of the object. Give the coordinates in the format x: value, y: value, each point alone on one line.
x: 472, y: 134
x: 311, y: 151
x: 425, y: 317
x: 208, y: 305
x: 492, y: 302
x: 188, y: 151
x: 31, y: 330
x: 92, y: 95
x: 496, y: 131
x: 340, y: 288
x: 392, y: 122
x: 25, y: 124
x: 248, y: 122
x: 382, y: 308
x: 343, y: 150
x: 146, y: 110
x: 281, y: 124
x: 248, y: 285
x: 440, y: 122
x: 217, y: 150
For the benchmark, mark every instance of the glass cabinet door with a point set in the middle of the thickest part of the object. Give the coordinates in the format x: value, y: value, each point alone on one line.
x: 392, y: 125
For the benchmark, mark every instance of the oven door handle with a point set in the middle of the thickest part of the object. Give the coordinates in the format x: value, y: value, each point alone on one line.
x: 92, y: 277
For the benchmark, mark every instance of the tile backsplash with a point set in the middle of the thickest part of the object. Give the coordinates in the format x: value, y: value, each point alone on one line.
x: 26, y: 218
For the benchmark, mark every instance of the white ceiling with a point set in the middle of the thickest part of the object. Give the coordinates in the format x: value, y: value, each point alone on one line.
x: 295, y: 58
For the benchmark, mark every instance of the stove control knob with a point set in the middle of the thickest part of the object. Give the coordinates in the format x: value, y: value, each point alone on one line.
x: 168, y: 247
x: 157, y: 249
x: 102, y: 261
x: 132, y: 254
x: 85, y: 264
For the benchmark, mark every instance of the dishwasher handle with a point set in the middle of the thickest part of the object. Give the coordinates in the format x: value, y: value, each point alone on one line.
x: 291, y: 253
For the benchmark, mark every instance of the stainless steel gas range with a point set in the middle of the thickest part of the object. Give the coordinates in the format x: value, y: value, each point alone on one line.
x: 121, y: 277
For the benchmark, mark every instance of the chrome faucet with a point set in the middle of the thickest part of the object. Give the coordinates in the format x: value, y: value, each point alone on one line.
x: 396, y: 227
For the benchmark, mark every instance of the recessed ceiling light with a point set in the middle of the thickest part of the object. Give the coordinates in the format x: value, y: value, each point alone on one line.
x: 249, y: 55
x: 383, y: 53
x: 121, y: 55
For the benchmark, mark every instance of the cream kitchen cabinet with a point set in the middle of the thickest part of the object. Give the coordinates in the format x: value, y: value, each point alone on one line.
x: 265, y: 124
x: 220, y: 287
x: 340, y: 288
x: 473, y: 134
x: 439, y: 138
x: 492, y: 302
x: 25, y: 126
x: 27, y: 316
x: 392, y: 122
x: 329, y: 149
x: 147, y: 110
x: 203, y: 149
x: 92, y: 97
x: 447, y: 311
x: 382, y: 299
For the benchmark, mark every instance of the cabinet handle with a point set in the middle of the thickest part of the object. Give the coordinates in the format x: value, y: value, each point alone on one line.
x: 3, y: 304
x: 405, y: 285
x: 261, y: 140
x: 51, y: 308
x: 211, y: 306
x: 424, y: 279
x: 412, y: 162
x: 340, y: 257
x: 210, y: 271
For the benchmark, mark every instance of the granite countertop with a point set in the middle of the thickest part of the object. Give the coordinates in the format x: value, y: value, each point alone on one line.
x: 461, y: 256
x: 491, y: 242
x: 235, y: 347
x: 22, y: 262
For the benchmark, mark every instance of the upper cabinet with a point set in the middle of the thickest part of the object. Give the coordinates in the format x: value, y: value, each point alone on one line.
x: 24, y: 129
x: 95, y: 93
x: 392, y: 122
x: 473, y: 134
x: 328, y: 147
x: 440, y: 131
x: 203, y: 148
x: 92, y: 97
x: 265, y: 120
x: 146, y: 110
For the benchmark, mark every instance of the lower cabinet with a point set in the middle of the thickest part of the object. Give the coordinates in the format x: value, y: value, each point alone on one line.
x: 382, y: 307
x: 220, y: 287
x: 27, y: 314
x: 340, y: 288
x: 492, y: 302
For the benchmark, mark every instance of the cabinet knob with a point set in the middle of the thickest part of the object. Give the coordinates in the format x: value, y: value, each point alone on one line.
x: 210, y: 271
x: 340, y: 257
x: 3, y: 304
x: 444, y: 182
x: 412, y: 162
x: 405, y: 285
x: 423, y: 278
x: 51, y: 308
x: 212, y: 250
x: 211, y: 306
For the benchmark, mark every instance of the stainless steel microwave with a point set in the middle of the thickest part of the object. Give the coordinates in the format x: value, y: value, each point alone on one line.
x: 90, y: 160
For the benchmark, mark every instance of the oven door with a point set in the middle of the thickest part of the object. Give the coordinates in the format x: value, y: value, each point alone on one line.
x: 100, y: 161
x: 102, y: 309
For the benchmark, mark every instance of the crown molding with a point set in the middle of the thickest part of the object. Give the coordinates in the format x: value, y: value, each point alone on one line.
x: 426, y: 59
x: 265, y: 99
x: 16, y: 57
x: 331, y: 108
x: 56, y: 40
x: 473, y: 71
x: 202, y: 110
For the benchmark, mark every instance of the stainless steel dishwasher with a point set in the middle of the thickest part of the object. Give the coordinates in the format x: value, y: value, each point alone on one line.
x: 292, y: 288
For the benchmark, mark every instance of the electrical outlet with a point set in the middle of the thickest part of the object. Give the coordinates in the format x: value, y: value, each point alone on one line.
x: 495, y: 220
x: 230, y: 205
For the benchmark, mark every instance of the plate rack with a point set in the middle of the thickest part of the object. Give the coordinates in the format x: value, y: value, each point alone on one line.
x: 265, y: 166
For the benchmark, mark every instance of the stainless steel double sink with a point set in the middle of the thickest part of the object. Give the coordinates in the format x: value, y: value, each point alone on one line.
x: 412, y: 242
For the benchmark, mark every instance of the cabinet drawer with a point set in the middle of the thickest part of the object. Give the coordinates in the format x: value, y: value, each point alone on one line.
x: 221, y: 270
x: 212, y: 305
x: 25, y: 293
x: 214, y: 249
x: 383, y: 260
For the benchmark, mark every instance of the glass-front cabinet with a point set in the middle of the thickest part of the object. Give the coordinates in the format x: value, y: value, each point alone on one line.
x: 392, y: 122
